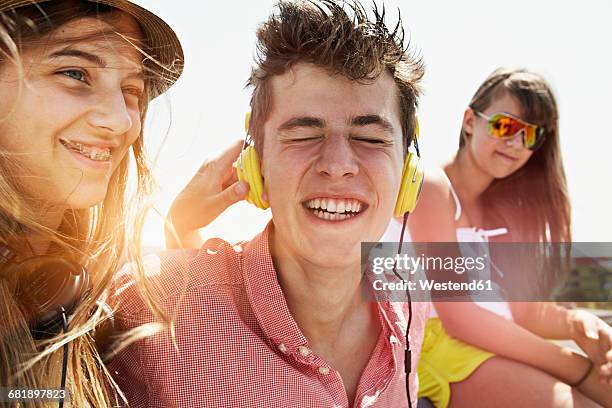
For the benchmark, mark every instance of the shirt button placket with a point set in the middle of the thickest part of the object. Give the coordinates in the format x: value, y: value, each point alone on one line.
x: 304, y: 351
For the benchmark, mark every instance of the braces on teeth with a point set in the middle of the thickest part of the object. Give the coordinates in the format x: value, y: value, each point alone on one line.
x: 93, y: 153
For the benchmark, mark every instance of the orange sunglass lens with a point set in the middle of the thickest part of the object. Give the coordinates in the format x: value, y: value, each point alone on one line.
x: 504, y: 126
x: 534, y: 137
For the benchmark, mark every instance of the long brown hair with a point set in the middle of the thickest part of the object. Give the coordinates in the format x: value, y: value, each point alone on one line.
x: 532, y: 202
x: 94, y: 237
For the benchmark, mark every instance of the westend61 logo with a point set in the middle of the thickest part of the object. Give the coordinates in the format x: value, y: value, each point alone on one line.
x: 428, y: 285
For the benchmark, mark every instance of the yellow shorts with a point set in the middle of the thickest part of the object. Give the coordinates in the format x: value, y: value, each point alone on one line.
x: 445, y: 360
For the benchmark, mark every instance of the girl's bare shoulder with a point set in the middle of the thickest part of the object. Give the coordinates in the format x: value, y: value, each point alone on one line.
x: 436, y: 195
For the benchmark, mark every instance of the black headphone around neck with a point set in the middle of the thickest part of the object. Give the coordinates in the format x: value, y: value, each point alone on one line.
x: 47, y: 288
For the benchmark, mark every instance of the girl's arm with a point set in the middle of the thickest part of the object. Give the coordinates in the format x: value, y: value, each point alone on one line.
x: 589, y: 332
x: 544, y: 319
x: 552, y: 321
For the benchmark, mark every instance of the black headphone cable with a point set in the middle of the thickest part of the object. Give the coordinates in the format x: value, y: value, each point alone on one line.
x: 64, y: 361
x: 408, y: 351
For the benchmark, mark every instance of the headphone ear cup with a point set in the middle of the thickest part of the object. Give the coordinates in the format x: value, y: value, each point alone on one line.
x: 410, y: 188
x: 249, y: 170
x: 49, y: 286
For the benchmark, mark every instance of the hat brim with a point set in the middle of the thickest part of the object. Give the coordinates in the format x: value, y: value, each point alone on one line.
x: 163, y: 44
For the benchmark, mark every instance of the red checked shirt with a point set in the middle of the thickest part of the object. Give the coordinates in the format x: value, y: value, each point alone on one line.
x: 237, y: 344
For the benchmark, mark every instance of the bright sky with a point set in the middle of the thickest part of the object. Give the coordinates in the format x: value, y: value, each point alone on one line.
x: 461, y: 43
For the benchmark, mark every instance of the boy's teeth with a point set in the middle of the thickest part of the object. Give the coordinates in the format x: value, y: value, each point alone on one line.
x: 340, y: 207
x: 332, y: 216
x: 334, y: 209
x: 331, y: 206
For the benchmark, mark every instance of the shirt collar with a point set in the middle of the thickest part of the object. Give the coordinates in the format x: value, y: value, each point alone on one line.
x: 270, y: 307
x: 266, y: 296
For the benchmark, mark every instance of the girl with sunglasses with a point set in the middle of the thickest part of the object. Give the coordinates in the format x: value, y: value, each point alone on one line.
x: 76, y: 78
x: 506, y: 183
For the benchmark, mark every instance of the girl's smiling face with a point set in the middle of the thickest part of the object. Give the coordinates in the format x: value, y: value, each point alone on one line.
x: 71, y: 108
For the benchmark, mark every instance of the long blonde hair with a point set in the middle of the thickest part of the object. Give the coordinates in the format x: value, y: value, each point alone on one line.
x: 94, y: 237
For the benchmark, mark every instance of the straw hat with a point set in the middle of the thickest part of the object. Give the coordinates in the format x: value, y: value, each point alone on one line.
x: 162, y: 41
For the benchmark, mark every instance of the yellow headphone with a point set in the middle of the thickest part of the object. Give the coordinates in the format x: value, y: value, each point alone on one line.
x: 249, y: 170
x: 412, y: 179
